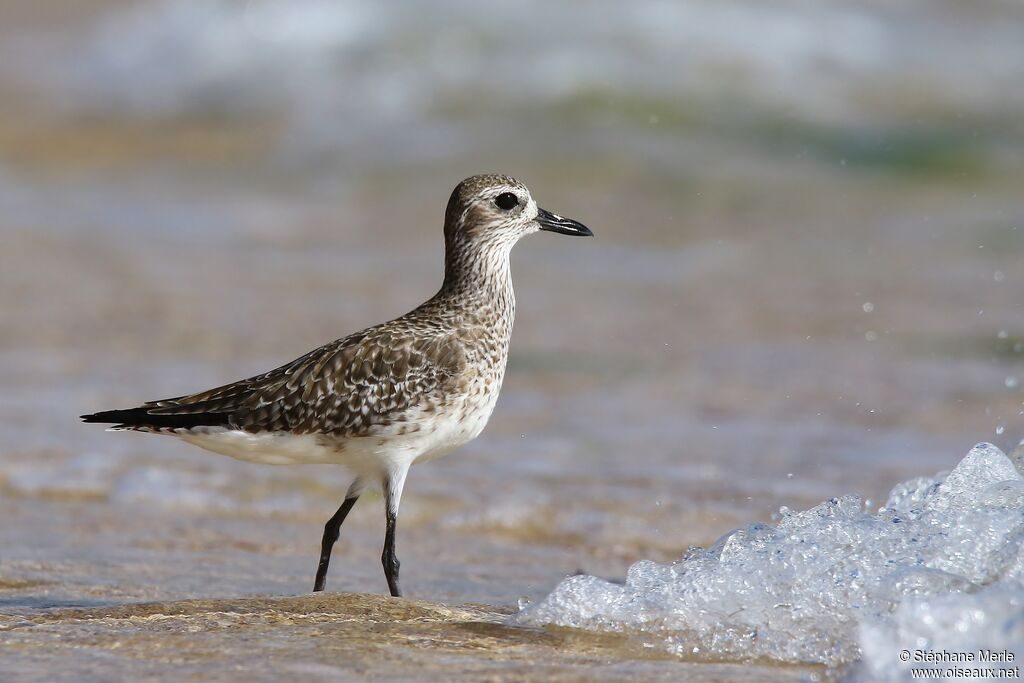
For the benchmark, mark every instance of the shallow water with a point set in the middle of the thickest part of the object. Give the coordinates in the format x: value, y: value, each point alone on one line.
x: 786, y: 301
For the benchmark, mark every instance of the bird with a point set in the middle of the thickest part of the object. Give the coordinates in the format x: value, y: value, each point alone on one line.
x: 401, y: 392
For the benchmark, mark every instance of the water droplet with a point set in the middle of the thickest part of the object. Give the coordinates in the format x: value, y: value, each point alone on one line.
x: 1003, y: 334
x: 1000, y: 429
x: 1010, y: 382
x: 868, y: 307
x: 871, y: 335
x: 998, y: 276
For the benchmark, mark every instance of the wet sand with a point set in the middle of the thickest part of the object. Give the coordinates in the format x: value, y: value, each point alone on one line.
x: 325, y: 637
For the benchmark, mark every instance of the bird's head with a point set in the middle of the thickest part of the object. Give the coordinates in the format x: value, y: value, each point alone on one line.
x: 497, y: 210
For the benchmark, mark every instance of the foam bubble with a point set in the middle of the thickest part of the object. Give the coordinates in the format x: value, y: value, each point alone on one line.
x: 940, y: 566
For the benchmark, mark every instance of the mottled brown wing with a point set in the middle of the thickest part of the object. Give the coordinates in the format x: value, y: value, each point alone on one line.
x: 351, y: 387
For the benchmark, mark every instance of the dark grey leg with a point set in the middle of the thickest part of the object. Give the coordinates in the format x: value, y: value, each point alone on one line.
x: 392, y: 496
x: 331, y: 532
x: 388, y: 558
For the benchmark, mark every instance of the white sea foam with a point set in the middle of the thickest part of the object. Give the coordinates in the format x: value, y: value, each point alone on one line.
x: 940, y: 567
x: 86, y: 474
x: 174, y: 488
x: 362, y: 63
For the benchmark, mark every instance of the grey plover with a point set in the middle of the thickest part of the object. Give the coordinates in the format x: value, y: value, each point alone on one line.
x: 377, y: 401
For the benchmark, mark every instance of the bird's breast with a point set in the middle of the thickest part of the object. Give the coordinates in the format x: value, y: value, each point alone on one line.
x: 458, y: 426
x: 462, y: 413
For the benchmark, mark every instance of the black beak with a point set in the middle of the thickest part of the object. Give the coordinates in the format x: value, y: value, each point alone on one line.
x: 555, y: 223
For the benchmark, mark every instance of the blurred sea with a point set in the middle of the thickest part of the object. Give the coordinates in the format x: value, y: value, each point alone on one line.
x: 806, y: 278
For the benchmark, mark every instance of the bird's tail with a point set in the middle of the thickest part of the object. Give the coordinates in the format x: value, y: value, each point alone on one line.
x: 141, y: 419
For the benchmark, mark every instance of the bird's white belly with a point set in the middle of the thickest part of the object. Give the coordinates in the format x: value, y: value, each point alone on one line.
x: 437, y: 434
x: 267, y: 448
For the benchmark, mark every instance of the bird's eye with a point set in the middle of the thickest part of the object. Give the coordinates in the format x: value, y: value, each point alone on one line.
x: 506, y: 201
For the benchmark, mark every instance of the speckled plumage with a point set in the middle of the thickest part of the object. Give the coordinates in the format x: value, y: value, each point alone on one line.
x: 378, y: 400
x: 365, y: 384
